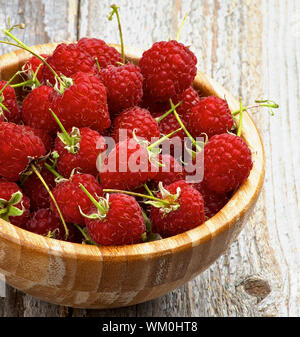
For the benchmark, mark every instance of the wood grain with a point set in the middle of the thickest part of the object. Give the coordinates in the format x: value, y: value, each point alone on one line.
x: 252, y: 48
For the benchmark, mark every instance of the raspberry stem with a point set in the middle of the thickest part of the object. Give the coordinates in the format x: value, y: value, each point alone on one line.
x: 158, y: 142
x: 53, y: 171
x: 9, y: 81
x: 36, y: 171
x: 262, y: 103
x: 181, y: 26
x: 148, y: 190
x: 166, y: 114
x: 115, y: 11
x: 183, y: 127
x: 102, y: 210
x: 21, y: 45
x: 108, y: 190
x: 71, y: 142
x: 239, y: 131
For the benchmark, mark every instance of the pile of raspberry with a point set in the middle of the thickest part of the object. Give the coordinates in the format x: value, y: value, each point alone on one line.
x: 55, y: 131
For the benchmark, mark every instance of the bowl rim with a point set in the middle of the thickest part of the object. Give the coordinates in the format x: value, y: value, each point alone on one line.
x: 241, y: 201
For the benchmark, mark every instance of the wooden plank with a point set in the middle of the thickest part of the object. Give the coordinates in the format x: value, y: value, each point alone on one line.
x: 45, y: 21
x: 232, y: 41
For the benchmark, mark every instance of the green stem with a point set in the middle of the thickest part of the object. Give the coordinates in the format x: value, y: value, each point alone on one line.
x: 55, y: 173
x: 93, y: 200
x: 3, y: 107
x: 9, y: 81
x: 158, y: 142
x: 115, y: 11
x: 159, y: 119
x: 183, y: 127
x: 21, y: 45
x: 64, y: 131
x: 239, y: 131
x: 181, y: 26
x: 107, y: 190
x: 35, y: 170
x: 83, y: 233
x: 148, y: 190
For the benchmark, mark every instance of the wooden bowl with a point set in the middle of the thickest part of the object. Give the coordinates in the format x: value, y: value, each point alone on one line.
x: 105, y: 277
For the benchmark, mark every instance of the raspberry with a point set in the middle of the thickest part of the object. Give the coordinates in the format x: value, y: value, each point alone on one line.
x: 30, y: 67
x: 124, y: 86
x: 170, y: 172
x: 97, y: 48
x: 137, y: 119
x: 35, y: 190
x: 9, y: 100
x: 43, y: 135
x: 168, y: 69
x: 227, y: 162
x: 211, y: 116
x: 169, y: 124
x: 213, y: 202
x: 127, y: 166
x: 189, y: 98
x: 7, y: 190
x: 45, y: 222
x: 70, y: 197
x: 121, y: 224
x: 18, y: 147
x: 68, y: 59
x: 188, y: 214
x: 82, y: 104
x: 35, y: 110
x: 82, y: 153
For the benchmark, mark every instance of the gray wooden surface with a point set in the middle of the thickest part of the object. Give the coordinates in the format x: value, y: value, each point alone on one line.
x: 252, y: 47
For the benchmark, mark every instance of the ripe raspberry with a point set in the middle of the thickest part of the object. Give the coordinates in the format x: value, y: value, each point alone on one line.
x: 45, y: 222
x: 137, y: 119
x: 30, y: 67
x: 35, y: 110
x: 211, y: 116
x: 68, y: 59
x: 122, y: 224
x: 9, y: 100
x: 189, y: 98
x: 35, y: 190
x: 7, y: 189
x: 82, y: 104
x: 227, y: 162
x: 124, y: 85
x: 18, y: 147
x: 213, y: 202
x: 189, y: 213
x: 70, y: 197
x: 168, y: 69
x: 82, y: 153
x: 127, y: 166
x: 96, y: 48
x: 171, y: 172
x: 45, y: 137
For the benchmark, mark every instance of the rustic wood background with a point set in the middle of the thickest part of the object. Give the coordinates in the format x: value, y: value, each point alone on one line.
x: 252, y: 47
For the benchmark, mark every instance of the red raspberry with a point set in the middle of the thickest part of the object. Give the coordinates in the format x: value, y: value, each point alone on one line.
x: 227, y: 162
x: 44, y: 221
x: 86, y: 151
x: 7, y: 189
x: 45, y: 137
x: 124, y: 86
x: 127, y: 166
x: 82, y: 104
x: 171, y: 172
x: 123, y: 223
x: 169, y: 124
x: 188, y: 215
x: 30, y: 67
x: 168, y: 69
x: 9, y: 100
x: 213, y: 202
x: 189, y: 98
x: 97, y: 48
x: 35, y: 190
x: 35, y: 110
x: 211, y: 116
x: 70, y: 197
x: 18, y: 147
x: 67, y: 60
x: 137, y: 119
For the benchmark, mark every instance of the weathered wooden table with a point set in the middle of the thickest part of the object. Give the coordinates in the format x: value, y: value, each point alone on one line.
x: 252, y: 47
